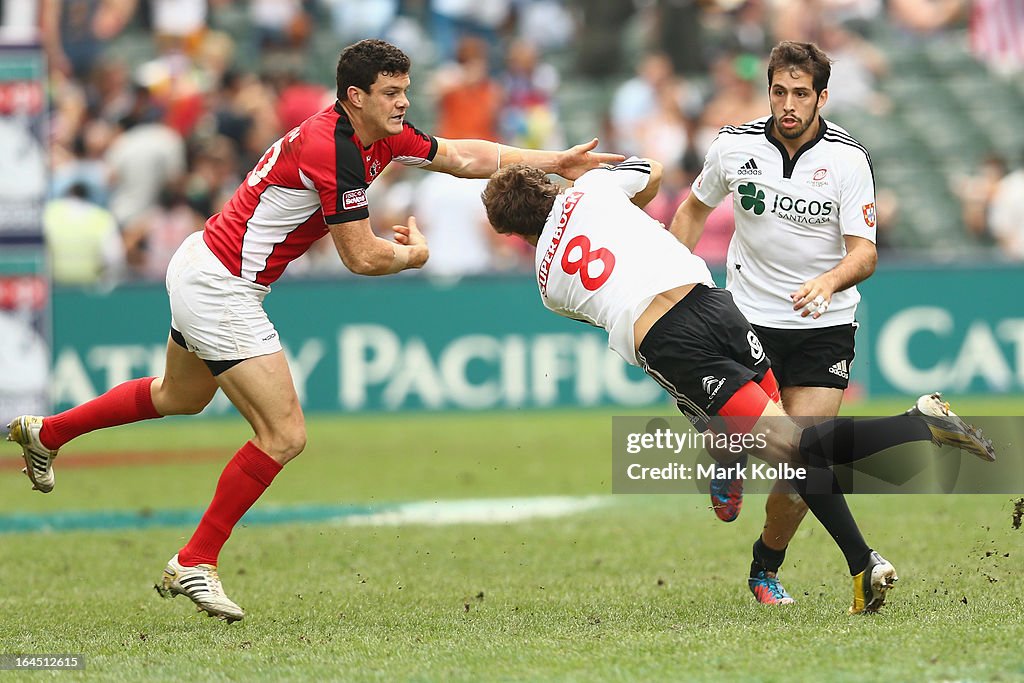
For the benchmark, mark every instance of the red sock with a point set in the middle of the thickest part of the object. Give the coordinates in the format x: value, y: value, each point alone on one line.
x: 125, y: 403
x: 243, y: 481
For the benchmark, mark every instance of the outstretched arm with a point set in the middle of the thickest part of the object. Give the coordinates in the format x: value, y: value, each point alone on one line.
x: 480, y: 158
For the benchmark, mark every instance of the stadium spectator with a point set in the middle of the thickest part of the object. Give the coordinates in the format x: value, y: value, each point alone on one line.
x: 857, y: 65
x: 82, y: 240
x: 679, y: 32
x: 924, y: 17
x: 83, y: 162
x: 309, y: 183
x: 297, y: 99
x: 468, y: 99
x: 1006, y: 214
x: 153, y: 236
x: 675, y: 187
x: 544, y: 23
x: 976, y: 192
x: 598, y: 42
x: 636, y: 97
x: 664, y: 131
x: 662, y: 312
x: 736, y: 96
x: 452, y: 21
x: 214, y: 175
x: 143, y: 159
x: 280, y: 24
x: 84, y: 27
x: 529, y: 116
x: 449, y: 212
x: 996, y: 33
x: 178, y: 24
x: 792, y: 268
x: 353, y: 19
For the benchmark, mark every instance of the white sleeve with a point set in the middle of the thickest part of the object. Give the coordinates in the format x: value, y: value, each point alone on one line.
x: 630, y: 176
x: 711, y: 186
x: 857, y: 213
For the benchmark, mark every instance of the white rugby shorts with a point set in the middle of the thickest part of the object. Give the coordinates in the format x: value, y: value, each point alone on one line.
x: 220, y: 315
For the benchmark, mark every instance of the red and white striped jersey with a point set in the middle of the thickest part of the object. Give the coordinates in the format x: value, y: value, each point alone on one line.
x: 317, y: 174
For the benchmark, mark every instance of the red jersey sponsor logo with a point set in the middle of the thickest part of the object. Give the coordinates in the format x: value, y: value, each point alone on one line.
x: 869, y: 214
x: 354, y: 199
x: 571, y: 200
x: 820, y: 174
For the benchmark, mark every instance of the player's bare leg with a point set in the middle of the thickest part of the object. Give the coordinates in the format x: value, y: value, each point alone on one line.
x: 187, y: 386
x: 264, y: 393
x: 262, y: 390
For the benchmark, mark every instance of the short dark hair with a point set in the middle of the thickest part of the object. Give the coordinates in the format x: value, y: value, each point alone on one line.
x: 361, y: 63
x: 518, y: 199
x: 806, y: 57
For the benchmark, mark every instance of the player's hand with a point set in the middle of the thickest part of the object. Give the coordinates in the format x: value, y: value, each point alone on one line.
x: 410, y: 236
x: 575, y: 161
x: 814, y: 297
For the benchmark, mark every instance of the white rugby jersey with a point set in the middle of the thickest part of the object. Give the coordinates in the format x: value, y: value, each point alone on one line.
x: 602, y: 260
x: 791, y: 216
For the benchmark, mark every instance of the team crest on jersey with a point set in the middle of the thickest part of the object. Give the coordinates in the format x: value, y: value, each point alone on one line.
x: 374, y: 169
x: 354, y: 199
x: 869, y: 214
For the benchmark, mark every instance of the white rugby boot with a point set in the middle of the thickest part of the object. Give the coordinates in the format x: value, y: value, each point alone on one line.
x: 24, y: 431
x: 949, y: 429
x: 201, y: 585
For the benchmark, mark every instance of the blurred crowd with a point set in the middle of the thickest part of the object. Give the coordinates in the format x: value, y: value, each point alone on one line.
x: 144, y: 151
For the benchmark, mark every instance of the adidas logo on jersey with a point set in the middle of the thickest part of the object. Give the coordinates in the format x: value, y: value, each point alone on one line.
x: 749, y: 168
x: 841, y: 369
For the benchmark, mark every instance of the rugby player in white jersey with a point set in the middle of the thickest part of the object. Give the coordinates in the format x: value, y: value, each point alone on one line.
x: 310, y: 184
x: 601, y: 260
x: 804, y: 203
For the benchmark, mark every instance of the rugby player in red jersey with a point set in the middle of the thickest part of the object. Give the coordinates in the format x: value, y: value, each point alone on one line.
x: 309, y: 184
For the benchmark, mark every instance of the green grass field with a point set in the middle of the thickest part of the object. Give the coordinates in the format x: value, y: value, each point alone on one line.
x: 640, y: 588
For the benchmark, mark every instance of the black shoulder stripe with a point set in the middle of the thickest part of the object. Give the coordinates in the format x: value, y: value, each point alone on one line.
x: 742, y: 129
x: 845, y: 141
x: 752, y: 131
x: 349, y: 172
x: 843, y: 134
x: 631, y: 165
x: 871, y: 167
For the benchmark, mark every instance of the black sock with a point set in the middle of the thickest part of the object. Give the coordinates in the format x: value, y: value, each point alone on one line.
x: 828, y: 505
x: 841, y: 441
x: 765, y: 558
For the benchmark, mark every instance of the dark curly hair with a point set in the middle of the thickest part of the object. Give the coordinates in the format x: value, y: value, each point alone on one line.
x: 361, y: 63
x: 518, y: 199
x: 806, y: 57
